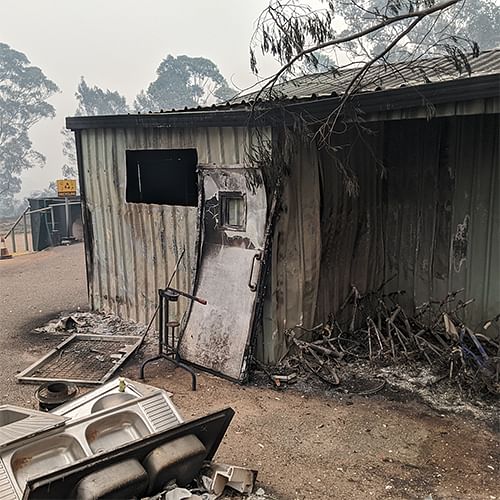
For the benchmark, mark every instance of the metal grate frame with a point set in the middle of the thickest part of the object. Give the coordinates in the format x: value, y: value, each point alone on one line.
x: 82, y: 359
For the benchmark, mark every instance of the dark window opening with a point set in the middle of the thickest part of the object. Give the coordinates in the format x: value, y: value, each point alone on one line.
x: 233, y: 211
x: 162, y: 176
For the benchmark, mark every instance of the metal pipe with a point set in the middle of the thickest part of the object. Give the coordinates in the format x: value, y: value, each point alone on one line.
x: 52, y: 219
x: 25, y: 227
x: 161, y: 325
x: 50, y: 207
x: 13, y: 235
x: 6, y: 235
x: 164, y: 293
x: 67, y: 217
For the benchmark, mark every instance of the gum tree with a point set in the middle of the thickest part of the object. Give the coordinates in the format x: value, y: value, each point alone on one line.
x: 24, y: 94
x: 92, y: 100
x: 184, y: 81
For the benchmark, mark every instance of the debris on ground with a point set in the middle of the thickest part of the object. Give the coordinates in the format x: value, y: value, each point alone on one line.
x: 374, y: 329
x: 216, y: 482
x: 96, y: 346
x: 91, y: 322
x: 122, y: 440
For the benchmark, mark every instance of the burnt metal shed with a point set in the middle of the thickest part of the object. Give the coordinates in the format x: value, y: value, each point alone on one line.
x: 154, y: 185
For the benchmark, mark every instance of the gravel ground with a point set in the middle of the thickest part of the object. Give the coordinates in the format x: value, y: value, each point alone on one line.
x: 313, y: 446
x: 305, y: 444
x: 33, y: 289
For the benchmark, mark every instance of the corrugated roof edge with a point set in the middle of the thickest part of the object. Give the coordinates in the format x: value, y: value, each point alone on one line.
x: 240, y: 114
x: 382, y: 77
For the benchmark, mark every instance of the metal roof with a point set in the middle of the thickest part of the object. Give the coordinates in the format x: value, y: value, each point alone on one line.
x: 433, y: 80
x: 381, y: 77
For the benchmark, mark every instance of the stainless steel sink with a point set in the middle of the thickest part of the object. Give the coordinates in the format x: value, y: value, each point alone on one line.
x: 17, y: 424
x: 33, y: 443
x: 111, y: 400
x: 43, y: 456
x: 116, y: 430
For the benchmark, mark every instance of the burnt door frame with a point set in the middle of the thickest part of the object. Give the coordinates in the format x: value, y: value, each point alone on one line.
x: 218, y: 234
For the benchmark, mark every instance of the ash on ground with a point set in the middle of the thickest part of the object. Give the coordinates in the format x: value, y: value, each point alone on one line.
x: 400, y: 382
x: 375, y: 346
x: 91, y: 323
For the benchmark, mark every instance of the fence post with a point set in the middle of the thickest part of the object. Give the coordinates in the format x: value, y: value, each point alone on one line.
x: 25, y: 227
x: 13, y: 236
x: 67, y: 214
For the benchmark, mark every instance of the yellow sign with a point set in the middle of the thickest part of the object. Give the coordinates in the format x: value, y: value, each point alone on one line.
x: 66, y: 187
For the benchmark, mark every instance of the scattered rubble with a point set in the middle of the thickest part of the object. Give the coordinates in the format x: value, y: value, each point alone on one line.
x: 93, y: 323
x: 216, y: 482
x: 83, y: 359
x: 97, y: 345
x: 433, y: 347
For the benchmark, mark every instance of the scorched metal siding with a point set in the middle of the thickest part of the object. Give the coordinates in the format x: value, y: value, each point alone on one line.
x: 132, y: 248
x: 426, y: 220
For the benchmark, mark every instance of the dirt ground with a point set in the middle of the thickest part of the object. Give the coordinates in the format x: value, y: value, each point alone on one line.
x: 313, y: 446
x: 33, y: 289
x: 304, y: 444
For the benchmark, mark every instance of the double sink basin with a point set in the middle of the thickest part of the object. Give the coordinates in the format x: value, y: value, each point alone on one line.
x: 34, y: 443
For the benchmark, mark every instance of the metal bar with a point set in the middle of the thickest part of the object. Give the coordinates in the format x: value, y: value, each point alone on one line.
x: 37, y: 210
x: 41, y: 380
x: 67, y: 217
x: 13, y: 235
x: 25, y: 228
x: 161, y: 325
x: 52, y: 219
x: 44, y: 209
x: 15, y: 223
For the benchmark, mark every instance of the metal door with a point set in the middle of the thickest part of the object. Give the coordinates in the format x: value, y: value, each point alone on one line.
x: 217, y: 335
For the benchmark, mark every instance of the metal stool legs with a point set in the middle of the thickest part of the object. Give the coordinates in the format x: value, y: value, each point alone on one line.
x: 167, y: 344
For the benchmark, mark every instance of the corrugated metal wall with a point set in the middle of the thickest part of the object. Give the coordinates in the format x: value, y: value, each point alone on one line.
x: 428, y: 212
x: 133, y: 248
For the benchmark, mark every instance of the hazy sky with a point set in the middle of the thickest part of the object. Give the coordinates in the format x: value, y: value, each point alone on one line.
x: 118, y: 44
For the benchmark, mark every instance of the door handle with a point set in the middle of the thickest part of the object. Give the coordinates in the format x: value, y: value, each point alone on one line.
x: 251, y: 285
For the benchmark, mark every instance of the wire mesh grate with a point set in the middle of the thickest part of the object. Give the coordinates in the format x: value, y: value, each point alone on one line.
x: 91, y: 359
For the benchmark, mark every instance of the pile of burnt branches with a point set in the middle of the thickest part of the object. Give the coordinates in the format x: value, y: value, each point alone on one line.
x: 376, y: 328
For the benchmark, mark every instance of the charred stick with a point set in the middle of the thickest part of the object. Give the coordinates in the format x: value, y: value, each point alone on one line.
x: 399, y: 335
x: 355, y: 308
x: 328, y: 352
x: 369, y: 343
x: 391, y: 341
x: 421, y: 349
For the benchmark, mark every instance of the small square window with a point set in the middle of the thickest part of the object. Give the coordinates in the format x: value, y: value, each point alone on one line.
x: 233, y: 211
x: 162, y: 177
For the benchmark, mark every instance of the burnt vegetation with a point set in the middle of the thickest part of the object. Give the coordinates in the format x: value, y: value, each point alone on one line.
x: 376, y: 328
